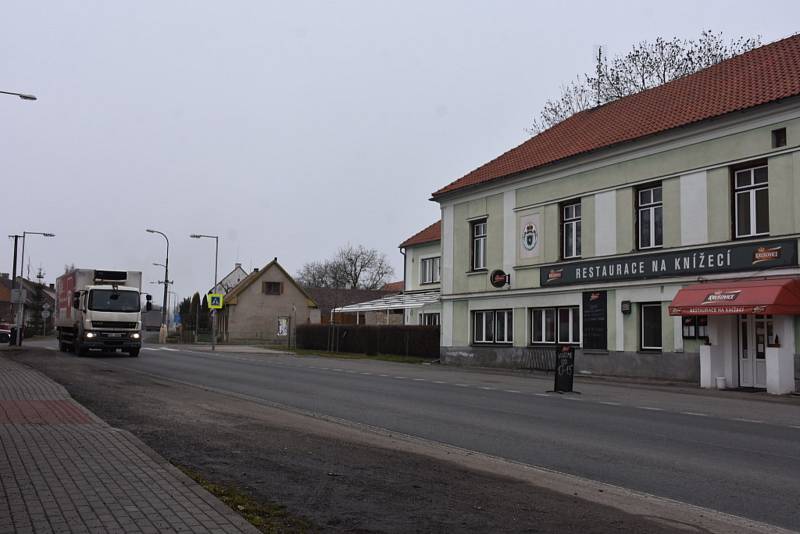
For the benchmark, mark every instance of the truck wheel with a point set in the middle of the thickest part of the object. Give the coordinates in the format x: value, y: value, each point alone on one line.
x: 133, y: 353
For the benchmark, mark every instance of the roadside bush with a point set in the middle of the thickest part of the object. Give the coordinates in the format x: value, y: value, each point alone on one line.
x: 401, y: 340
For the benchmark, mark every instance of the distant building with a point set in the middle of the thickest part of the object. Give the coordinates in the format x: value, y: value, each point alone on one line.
x: 329, y: 298
x: 415, y: 299
x: 5, y: 299
x: 230, y: 280
x: 265, y: 306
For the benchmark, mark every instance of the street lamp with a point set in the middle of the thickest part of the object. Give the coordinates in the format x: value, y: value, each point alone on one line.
x: 23, y: 96
x: 163, y: 333
x: 21, y: 311
x: 216, y: 265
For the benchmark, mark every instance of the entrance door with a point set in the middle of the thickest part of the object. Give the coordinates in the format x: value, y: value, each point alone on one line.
x: 755, y: 331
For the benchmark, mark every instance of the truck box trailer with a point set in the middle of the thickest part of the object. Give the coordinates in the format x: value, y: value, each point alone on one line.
x: 99, y: 310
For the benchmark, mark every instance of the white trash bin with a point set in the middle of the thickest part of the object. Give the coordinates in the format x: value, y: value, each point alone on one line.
x: 721, y: 383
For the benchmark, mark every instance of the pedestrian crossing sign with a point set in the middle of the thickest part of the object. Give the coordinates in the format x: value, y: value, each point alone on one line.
x: 215, y: 301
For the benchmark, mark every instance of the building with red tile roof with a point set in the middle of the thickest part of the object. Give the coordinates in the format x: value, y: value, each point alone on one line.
x: 761, y: 76
x: 627, y: 231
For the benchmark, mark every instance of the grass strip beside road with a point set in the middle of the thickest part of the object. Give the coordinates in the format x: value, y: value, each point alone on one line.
x: 265, y: 516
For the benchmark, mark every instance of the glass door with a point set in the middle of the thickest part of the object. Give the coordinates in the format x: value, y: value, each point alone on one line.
x: 755, y: 333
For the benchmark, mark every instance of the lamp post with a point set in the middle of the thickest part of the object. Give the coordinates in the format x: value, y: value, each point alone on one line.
x: 23, y: 96
x: 162, y: 335
x: 216, y: 265
x: 21, y: 310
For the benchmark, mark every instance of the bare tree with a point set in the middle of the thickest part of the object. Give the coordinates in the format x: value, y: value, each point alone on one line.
x: 352, y: 266
x: 646, y: 65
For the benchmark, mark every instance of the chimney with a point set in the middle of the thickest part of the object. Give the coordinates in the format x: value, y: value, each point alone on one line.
x: 51, y: 286
x: 238, y: 266
x: 255, y: 269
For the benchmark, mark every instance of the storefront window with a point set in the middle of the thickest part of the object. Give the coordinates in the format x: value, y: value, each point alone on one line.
x: 493, y: 326
x: 695, y: 327
x: 549, y: 325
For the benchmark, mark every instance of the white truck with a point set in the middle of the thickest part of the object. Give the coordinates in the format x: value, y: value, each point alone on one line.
x: 99, y: 310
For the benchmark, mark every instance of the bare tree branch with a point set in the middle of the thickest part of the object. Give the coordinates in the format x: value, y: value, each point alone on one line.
x: 646, y: 65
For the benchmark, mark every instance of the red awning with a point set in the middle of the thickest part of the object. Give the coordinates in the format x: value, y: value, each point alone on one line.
x: 770, y: 296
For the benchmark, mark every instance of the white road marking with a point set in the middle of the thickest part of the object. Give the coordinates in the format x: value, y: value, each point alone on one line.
x: 572, y: 398
x: 338, y: 370
x: 794, y: 426
x: 651, y: 408
x: 487, y: 388
x: 400, y: 377
x: 420, y: 379
x: 541, y: 394
x: 512, y: 391
x: 609, y: 403
x: 384, y: 376
x: 462, y: 385
x: 439, y: 382
x: 365, y: 374
x: 696, y: 414
x: 745, y: 420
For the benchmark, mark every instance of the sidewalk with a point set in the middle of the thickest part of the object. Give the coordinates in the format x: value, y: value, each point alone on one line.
x: 62, y: 469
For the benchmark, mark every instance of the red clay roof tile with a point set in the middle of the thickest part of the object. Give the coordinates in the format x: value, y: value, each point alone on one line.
x: 428, y: 235
x: 760, y: 76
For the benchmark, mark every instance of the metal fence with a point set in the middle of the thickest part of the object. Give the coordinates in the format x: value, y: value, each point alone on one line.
x: 540, y: 359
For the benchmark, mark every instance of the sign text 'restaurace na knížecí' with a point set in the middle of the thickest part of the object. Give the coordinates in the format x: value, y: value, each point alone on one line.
x: 763, y: 255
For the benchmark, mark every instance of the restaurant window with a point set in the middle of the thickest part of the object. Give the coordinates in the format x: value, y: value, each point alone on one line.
x: 272, y: 288
x: 650, y: 318
x: 429, y: 319
x: 429, y: 268
x: 695, y: 327
x: 571, y: 230
x: 650, y: 217
x: 478, y: 233
x: 555, y: 325
x: 751, y: 202
x: 493, y: 326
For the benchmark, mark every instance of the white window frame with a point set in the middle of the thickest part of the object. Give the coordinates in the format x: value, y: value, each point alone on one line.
x: 478, y: 242
x: 642, y: 307
x: 646, y: 201
x: 571, y: 220
x: 490, y: 317
x: 751, y: 190
x: 429, y: 319
x: 573, y: 330
x: 430, y: 270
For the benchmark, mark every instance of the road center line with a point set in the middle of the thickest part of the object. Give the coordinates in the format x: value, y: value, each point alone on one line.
x: 651, y: 408
x: 696, y: 414
x: 511, y: 391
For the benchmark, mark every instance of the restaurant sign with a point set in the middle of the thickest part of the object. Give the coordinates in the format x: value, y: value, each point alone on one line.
x: 708, y: 260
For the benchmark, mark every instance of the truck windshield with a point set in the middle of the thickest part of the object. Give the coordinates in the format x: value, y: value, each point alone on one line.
x: 114, y: 301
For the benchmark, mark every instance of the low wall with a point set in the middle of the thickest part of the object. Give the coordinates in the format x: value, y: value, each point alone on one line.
x: 684, y: 367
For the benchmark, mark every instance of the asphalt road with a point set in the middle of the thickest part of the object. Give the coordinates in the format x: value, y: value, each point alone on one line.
x: 716, y: 458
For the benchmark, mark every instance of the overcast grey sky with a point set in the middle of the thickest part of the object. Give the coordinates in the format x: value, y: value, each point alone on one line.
x: 288, y: 128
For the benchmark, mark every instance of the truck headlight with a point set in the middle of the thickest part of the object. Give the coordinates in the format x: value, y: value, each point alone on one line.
x: 136, y: 335
x: 90, y: 335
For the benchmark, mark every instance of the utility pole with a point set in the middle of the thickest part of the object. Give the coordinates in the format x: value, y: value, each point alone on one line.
x: 16, y: 339
x: 162, y: 335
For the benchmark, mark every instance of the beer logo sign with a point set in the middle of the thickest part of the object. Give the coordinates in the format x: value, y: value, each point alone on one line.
x: 762, y: 254
x: 721, y: 297
x: 530, y: 236
x: 555, y: 274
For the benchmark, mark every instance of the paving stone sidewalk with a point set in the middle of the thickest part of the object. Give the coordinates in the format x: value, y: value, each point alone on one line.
x: 62, y: 469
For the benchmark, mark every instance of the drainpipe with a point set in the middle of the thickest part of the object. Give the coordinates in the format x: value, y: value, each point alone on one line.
x: 403, y: 252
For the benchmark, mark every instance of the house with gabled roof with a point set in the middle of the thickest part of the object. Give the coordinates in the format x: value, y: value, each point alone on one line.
x: 656, y: 234
x: 266, y: 306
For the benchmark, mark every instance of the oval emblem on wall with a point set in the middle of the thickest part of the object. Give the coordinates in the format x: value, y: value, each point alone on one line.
x: 498, y: 278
